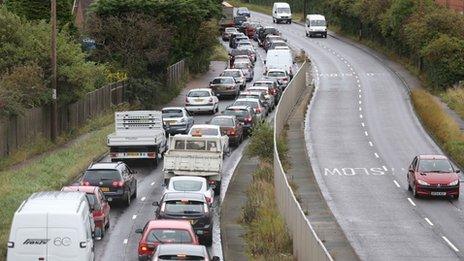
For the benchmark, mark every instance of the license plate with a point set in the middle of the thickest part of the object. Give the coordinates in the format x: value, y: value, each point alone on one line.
x: 198, y: 100
x: 105, y: 189
x: 132, y: 154
x: 436, y: 193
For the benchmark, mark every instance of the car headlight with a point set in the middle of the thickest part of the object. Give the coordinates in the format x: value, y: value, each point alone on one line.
x: 423, y: 183
x: 454, y: 183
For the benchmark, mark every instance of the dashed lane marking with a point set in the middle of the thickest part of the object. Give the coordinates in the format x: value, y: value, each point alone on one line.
x: 428, y: 221
x: 385, y: 168
x: 125, y: 241
x: 134, y: 216
x: 376, y: 155
x: 143, y: 199
x: 360, y: 116
x: 153, y: 183
x: 371, y: 144
x: 362, y: 124
x: 396, y: 183
x: 450, y: 244
x: 412, y: 202
x: 365, y: 133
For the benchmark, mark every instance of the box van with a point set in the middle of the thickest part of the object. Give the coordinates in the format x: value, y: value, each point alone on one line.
x: 281, y: 12
x: 52, y: 226
x: 279, y: 59
x: 316, y: 25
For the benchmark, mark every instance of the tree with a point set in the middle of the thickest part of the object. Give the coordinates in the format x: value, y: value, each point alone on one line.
x: 40, y: 9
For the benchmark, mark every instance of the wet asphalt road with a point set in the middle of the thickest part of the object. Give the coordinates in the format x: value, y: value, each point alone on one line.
x: 121, y: 241
x: 361, y: 135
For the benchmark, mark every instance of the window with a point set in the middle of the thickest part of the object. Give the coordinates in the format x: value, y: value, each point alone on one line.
x: 187, y: 185
x: 236, y: 112
x: 212, y: 146
x: 172, y: 113
x: 283, y: 10
x: 181, y: 207
x: 317, y: 23
x: 435, y: 165
x: 222, y: 121
x: 180, y: 144
x: 101, y: 174
x: 169, y: 236
x: 199, y: 94
x: 195, y: 145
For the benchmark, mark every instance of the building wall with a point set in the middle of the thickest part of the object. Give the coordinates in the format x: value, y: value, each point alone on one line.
x: 457, y: 5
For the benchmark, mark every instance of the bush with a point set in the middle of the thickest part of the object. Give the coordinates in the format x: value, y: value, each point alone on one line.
x: 40, y: 9
x: 454, y: 97
x: 149, y: 93
x: 262, y: 143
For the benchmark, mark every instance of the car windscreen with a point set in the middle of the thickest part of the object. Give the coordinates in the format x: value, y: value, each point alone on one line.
x: 101, y: 174
x: 231, y: 30
x: 241, y: 65
x: 172, y: 113
x: 205, y: 131
x: 317, y: 22
x: 249, y: 95
x: 198, y: 94
x: 251, y: 104
x: 184, y: 207
x: 221, y: 121
x: 180, y: 257
x: 236, y: 112
x: 242, y: 44
x: 267, y: 84
x: 231, y: 73
x: 187, y: 185
x: 262, y: 89
x: 223, y: 80
x: 283, y: 10
x: 279, y: 44
x: 276, y: 74
x: 435, y: 165
x: 158, y: 235
x: 271, y: 31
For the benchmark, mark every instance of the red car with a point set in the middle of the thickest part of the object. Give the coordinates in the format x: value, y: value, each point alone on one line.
x: 162, y: 231
x: 99, y: 206
x: 433, y: 175
x: 230, y: 126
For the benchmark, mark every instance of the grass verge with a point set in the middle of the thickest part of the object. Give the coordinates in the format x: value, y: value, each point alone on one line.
x: 219, y: 53
x: 266, y: 235
x: 454, y: 97
x: 262, y: 9
x: 439, y: 124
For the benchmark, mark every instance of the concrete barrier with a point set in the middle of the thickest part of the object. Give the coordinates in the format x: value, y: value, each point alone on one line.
x: 306, y: 244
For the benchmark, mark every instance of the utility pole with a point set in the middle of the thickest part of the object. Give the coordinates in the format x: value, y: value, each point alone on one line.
x: 54, y: 107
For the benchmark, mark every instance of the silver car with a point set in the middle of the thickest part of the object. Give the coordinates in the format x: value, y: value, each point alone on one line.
x: 238, y: 76
x: 182, y: 252
x: 225, y: 86
x: 259, y: 108
x: 246, y: 68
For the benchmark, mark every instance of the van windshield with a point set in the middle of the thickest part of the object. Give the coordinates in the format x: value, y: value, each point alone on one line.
x: 317, y: 23
x: 283, y: 10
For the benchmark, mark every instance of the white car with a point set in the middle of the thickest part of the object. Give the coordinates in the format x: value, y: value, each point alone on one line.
x: 270, y: 99
x: 201, y: 100
x: 246, y: 68
x: 210, y: 130
x: 243, y: 58
x: 191, y: 184
x: 280, y: 75
x: 238, y: 76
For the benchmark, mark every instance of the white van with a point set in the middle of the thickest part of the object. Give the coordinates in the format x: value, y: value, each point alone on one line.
x: 279, y: 59
x: 281, y: 12
x: 316, y: 25
x: 52, y: 226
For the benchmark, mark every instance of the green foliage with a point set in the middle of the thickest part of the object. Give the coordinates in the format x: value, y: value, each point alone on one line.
x: 149, y: 93
x: 454, y: 97
x: 40, y: 9
x: 410, y: 28
x: 24, y: 44
x: 193, y: 36
x: 262, y: 143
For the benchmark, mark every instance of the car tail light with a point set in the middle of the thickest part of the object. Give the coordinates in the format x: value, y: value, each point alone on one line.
x: 118, y: 183
x: 85, y: 183
x: 231, y: 131
x: 211, y: 182
x: 248, y: 119
x: 273, y: 91
x: 285, y: 79
x: 151, y: 154
x: 206, y: 206
x: 113, y: 155
x: 145, y: 249
x: 211, y: 99
x: 258, y: 110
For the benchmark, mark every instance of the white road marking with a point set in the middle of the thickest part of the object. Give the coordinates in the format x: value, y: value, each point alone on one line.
x: 376, y: 155
x: 428, y: 221
x: 393, y: 169
x: 360, y: 116
x: 359, y: 85
x: 143, y: 199
x: 362, y: 124
x: 125, y: 241
x: 360, y: 109
x: 403, y: 169
x: 450, y: 244
x: 134, y: 216
x: 371, y: 144
x: 396, y: 183
x: 153, y: 183
x: 357, y: 80
x: 385, y: 168
x: 360, y: 102
x: 359, y: 90
x: 412, y: 202
x: 360, y: 96
x: 365, y: 133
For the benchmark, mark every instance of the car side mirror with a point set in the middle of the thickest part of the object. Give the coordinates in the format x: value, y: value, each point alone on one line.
x: 458, y: 171
x: 139, y: 231
x: 155, y: 204
x: 264, y: 61
x: 216, y: 258
x: 109, y: 199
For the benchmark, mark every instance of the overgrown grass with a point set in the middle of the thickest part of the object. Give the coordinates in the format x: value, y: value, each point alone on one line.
x: 220, y: 53
x: 440, y: 124
x: 49, y: 173
x: 297, y: 16
x: 266, y: 235
x: 454, y: 97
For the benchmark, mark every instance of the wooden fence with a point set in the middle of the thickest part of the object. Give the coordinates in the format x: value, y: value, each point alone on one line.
x: 17, y: 132
x: 176, y: 73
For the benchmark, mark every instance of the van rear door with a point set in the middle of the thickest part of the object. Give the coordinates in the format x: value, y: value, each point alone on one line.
x: 64, y: 244
x: 29, y: 244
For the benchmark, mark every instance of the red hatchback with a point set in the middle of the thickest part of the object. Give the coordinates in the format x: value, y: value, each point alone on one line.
x: 433, y: 175
x: 99, y: 206
x: 162, y: 231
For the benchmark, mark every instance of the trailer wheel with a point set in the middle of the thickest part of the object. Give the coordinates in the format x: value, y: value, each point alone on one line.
x: 217, y: 189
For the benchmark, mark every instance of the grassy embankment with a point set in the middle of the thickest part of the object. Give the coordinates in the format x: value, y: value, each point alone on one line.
x: 266, y: 234
x: 440, y: 124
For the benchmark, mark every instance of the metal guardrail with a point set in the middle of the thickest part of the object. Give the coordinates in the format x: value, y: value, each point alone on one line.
x: 306, y: 243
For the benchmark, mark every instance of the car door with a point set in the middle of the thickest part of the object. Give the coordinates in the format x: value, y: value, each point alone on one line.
x: 411, y: 172
x: 104, y: 204
x: 131, y: 176
x: 189, y: 119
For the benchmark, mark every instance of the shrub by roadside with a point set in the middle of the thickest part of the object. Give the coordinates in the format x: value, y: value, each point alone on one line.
x: 442, y: 127
x: 266, y: 234
x: 454, y: 97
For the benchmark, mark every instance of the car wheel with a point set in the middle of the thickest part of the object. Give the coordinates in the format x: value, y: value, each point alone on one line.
x: 108, y: 222
x: 102, y: 233
x: 217, y: 189
x: 290, y: 22
x: 217, y: 109
x: 155, y: 161
x: 208, y: 241
x: 135, y: 191
x: 128, y: 199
